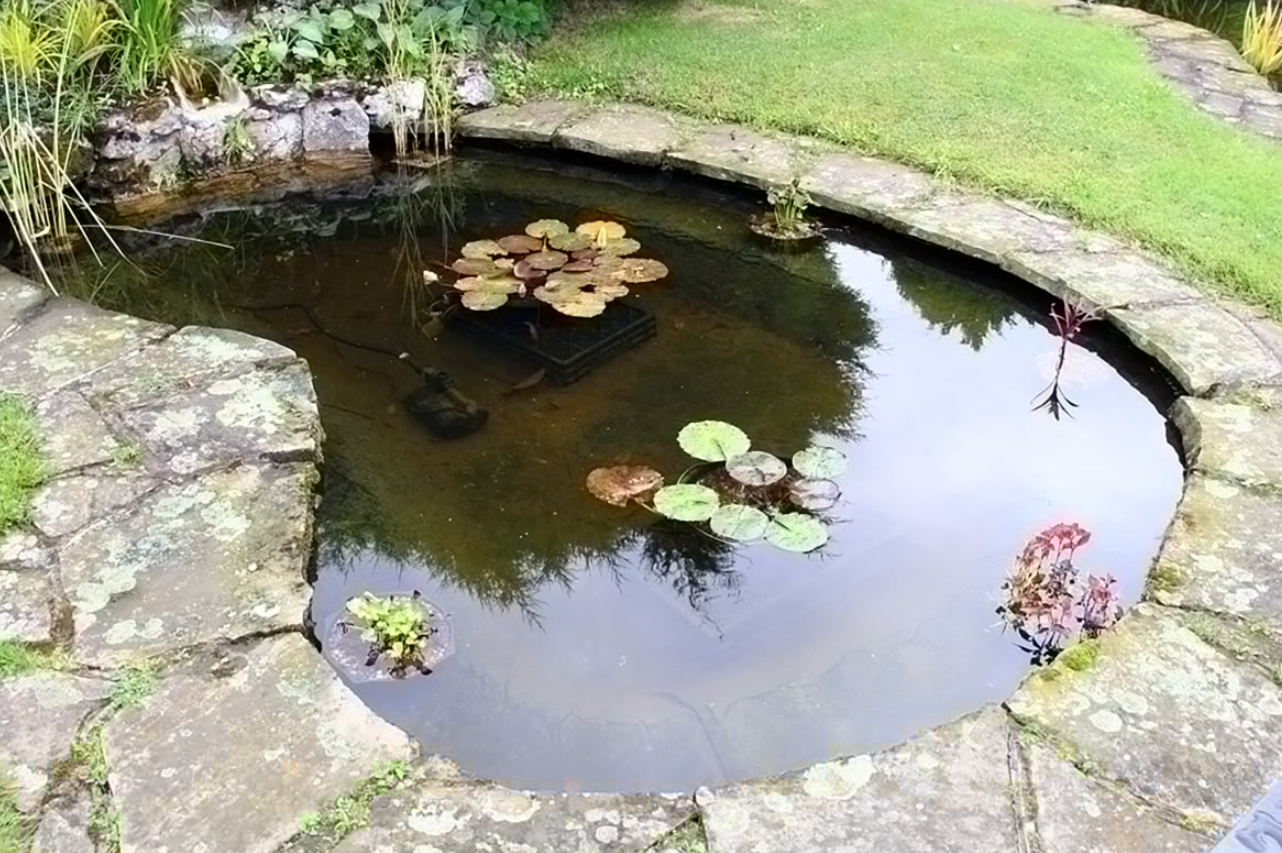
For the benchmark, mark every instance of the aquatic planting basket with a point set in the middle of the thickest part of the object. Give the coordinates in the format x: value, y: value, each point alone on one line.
x: 566, y: 347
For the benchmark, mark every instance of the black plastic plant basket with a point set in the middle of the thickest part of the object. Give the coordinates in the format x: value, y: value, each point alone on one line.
x: 567, y: 348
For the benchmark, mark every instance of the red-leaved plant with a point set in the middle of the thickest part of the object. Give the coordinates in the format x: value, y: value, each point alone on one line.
x: 1068, y: 319
x: 1044, y: 600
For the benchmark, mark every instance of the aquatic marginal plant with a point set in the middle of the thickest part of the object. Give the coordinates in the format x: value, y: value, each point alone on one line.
x: 786, y: 219
x: 1046, y: 602
x: 741, y: 494
x: 1068, y: 320
x: 394, y: 626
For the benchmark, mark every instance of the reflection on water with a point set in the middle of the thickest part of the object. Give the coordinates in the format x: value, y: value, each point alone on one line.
x: 599, y: 648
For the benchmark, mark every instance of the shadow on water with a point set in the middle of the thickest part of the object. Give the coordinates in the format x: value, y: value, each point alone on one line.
x: 598, y: 647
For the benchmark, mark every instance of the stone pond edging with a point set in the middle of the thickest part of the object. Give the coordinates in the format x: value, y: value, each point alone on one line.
x: 1201, y: 65
x: 177, y: 523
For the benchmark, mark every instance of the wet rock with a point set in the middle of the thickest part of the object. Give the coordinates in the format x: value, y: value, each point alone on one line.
x: 472, y: 85
x: 630, y: 134
x: 66, y: 341
x: 220, y: 557
x: 235, y: 762
x: 40, y: 714
x: 1182, y: 724
x: 535, y: 122
x: 73, y: 434
x: 1236, y: 442
x: 1219, y: 554
x: 1076, y: 814
x: 265, y: 415
x: 945, y: 790
x: 464, y: 817
x: 740, y: 155
x: 335, y: 129
x: 64, y: 827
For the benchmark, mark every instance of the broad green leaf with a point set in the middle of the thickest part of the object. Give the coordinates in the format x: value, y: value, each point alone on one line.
x: 279, y: 51
x: 820, y: 463
x: 370, y: 11
x: 341, y: 19
x: 796, y: 531
x: 756, y: 468
x: 713, y: 441
x: 739, y: 522
x: 311, y: 30
x: 305, y: 50
x: 686, y: 502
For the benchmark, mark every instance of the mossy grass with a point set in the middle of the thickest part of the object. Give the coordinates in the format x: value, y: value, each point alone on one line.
x: 350, y: 812
x: 15, y: 829
x: 20, y: 659
x: 21, y: 465
x: 960, y: 89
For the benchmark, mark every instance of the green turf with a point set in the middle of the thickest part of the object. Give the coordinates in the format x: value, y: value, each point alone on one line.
x: 15, y: 832
x: 1001, y: 94
x: 20, y: 463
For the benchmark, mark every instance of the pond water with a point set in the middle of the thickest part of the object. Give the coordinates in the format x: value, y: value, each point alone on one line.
x: 596, y: 647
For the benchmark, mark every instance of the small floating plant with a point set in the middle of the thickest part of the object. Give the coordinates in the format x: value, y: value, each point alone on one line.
x: 576, y: 272
x: 399, y: 631
x: 741, y: 494
x: 786, y: 220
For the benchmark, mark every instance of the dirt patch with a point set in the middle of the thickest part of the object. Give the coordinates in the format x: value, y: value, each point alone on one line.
x: 700, y: 10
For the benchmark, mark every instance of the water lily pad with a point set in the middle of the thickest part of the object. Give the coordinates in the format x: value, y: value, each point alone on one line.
x: 520, y: 244
x: 482, y: 249
x: 524, y: 271
x: 483, y: 300
x: 739, y: 522
x: 601, y: 232
x: 639, y: 270
x: 756, y: 468
x: 569, y: 297
x: 713, y: 441
x: 620, y: 247
x: 571, y: 241
x: 622, y: 483
x: 589, y: 254
x: 547, y: 260
x: 474, y: 266
x: 545, y: 228
x: 821, y: 463
x: 815, y: 494
x: 610, y: 290
x: 686, y: 502
x: 585, y: 265
x: 505, y: 263
x: 797, y: 532
x: 492, y: 284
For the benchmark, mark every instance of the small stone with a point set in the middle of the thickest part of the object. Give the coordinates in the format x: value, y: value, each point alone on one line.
x: 335, y: 129
x: 472, y: 85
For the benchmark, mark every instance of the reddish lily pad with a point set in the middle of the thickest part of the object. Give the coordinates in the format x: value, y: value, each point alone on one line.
x: 520, y: 244
x: 547, y: 260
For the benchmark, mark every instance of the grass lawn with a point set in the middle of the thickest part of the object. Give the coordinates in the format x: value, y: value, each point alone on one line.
x: 14, y: 830
x: 999, y: 94
x: 20, y: 463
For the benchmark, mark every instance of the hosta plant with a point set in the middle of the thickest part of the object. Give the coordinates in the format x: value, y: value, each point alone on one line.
x: 1046, y: 602
x: 394, y: 626
x: 739, y: 493
x: 786, y: 219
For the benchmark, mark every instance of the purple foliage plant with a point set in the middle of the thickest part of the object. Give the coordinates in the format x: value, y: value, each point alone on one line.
x: 1068, y: 320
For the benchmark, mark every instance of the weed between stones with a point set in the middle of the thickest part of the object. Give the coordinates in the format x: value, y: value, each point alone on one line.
x: 134, y: 684
x: 689, y: 837
x: 15, y: 830
x: 89, y: 754
x: 19, y: 659
x: 351, y: 812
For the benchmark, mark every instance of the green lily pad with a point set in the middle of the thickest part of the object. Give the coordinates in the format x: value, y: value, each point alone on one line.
x: 686, y: 502
x: 739, y: 522
x: 820, y: 463
x: 713, y: 441
x: 797, y: 532
x: 756, y: 468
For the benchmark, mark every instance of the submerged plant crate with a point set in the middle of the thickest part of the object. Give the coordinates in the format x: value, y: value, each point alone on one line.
x: 567, y: 348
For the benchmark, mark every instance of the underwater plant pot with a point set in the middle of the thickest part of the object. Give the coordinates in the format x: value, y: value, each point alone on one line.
x: 445, y: 412
x: 765, y: 226
x: 350, y: 654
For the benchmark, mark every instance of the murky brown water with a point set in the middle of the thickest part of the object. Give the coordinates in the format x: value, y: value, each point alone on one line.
x: 600, y: 650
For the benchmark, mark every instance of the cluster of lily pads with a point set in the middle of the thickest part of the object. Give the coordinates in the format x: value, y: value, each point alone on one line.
x: 576, y: 272
x: 742, y: 494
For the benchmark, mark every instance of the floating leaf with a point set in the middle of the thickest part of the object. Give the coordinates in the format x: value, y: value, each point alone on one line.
x: 520, y: 244
x: 602, y: 232
x: 589, y: 254
x: 572, y: 241
x: 474, y: 266
x: 756, y: 468
x: 740, y: 523
x: 482, y: 249
x: 487, y: 293
x: 525, y: 272
x: 585, y: 265
x: 821, y: 463
x: 797, y: 532
x: 622, y: 483
x: 815, y: 494
x: 548, y: 260
x: 569, y: 297
x: 545, y: 228
x: 610, y: 290
x: 713, y: 441
x: 483, y: 300
x: 620, y: 247
x: 505, y: 263
x: 686, y: 502
x: 639, y: 270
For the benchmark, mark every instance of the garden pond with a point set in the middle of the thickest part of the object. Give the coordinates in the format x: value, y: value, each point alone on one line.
x: 603, y: 648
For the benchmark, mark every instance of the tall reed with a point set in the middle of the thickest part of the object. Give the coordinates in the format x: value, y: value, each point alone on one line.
x: 1262, y: 36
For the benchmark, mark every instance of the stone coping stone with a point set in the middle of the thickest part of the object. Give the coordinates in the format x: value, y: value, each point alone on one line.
x: 230, y: 761
x: 1206, y: 346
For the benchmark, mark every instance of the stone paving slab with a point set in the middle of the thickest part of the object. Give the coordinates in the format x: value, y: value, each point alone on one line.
x: 65, y: 341
x: 39, y: 716
x: 535, y: 122
x: 26, y: 606
x: 463, y: 817
x: 1076, y: 814
x: 73, y: 434
x: 983, y: 227
x: 1232, y: 441
x: 18, y: 296
x: 216, y: 558
x: 1223, y: 552
x: 630, y: 134
x: 946, y: 790
x: 68, y: 504
x: 739, y: 155
x: 64, y: 827
x: 1181, y: 723
x: 1112, y: 278
x: 864, y: 187
x: 230, y: 764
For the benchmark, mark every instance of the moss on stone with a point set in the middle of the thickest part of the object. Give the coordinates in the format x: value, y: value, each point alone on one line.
x: 1081, y: 656
x: 20, y: 659
x: 1204, y: 823
x: 1165, y: 578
